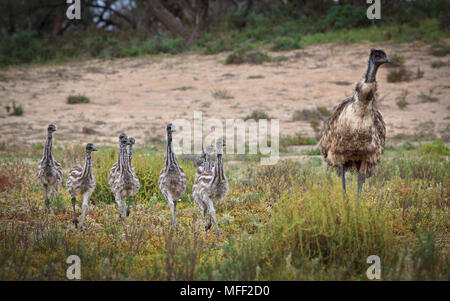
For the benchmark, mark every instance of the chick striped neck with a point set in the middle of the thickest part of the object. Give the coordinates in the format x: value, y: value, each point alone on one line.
x: 218, y: 170
x: 87, y: 172
x: 48, y: 155
x: 170, y: 156
x: 130, y: 153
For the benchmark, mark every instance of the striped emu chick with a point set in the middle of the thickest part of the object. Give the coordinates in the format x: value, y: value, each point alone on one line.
x: 131, y: 142
x: 206, y: 162
x: 354, y: 134
x: 122, y: 179
x: 81, y: 182
x: 172, y: 180
x: 211, y: 187
x: 49, y: 170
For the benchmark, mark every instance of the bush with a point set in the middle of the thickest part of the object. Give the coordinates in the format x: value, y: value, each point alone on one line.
x: 16, y: 110
x: 242, y: 56
x: 285, y: 43
x: 172, y: 46
x: 438, y: 147
x: 24, y: 47
x: 346, y: 16
x: 257, y: 115
x: 400, y: 74
x: 308, y: 115
x: 77, y: 99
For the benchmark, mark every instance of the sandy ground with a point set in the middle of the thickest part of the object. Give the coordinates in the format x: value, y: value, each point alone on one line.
x: 139, y: 96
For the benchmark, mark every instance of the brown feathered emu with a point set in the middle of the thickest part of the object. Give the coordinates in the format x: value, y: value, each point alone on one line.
x: 354, y: 134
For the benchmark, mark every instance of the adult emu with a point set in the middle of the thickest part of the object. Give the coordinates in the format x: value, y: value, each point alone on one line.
x: 354, y: 134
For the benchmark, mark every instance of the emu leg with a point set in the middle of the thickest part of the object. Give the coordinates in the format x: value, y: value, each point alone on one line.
x: 361, y: 180
x: 209, y: 223
x: 86, y: 198
x: 343, y: 179
x: 173, y: 207
x: 128, y: 206
x: 47, y: 203
x: 212, y: 213
x: 52, y: 193
x: 75, y: 220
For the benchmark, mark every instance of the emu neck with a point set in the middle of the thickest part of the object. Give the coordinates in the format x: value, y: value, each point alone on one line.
x: 218, y: 169
x: 208, y: 162
x: 371, y: 73
x: 48, y: 155
x: 170, y: 156
x: 130, y: 153
x: 87, y: 172
x: 122, y: 156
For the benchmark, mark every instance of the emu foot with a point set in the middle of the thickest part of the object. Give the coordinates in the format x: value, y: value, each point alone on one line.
x: 47, y: 204
x: 75, y: 221
x: 219, y: 233
x: 208, y: 226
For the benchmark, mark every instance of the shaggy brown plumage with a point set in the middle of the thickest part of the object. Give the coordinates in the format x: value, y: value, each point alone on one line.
x: 354, y: 134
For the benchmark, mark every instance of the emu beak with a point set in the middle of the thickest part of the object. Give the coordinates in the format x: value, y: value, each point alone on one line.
x: 94, y: 149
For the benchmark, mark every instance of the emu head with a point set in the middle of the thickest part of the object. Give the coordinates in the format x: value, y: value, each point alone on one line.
x: 220, y: 144
x: 378, y: 57
x: 131, y: 141
x: 170, y: 128
x: 90, y: 148
x: 123, y: 139
x: 51, y: 128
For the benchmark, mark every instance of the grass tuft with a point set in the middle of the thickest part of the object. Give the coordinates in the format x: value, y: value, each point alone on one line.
x: 77, y: 99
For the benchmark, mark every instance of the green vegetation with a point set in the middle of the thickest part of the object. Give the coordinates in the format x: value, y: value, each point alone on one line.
x: 285, y: 43
x: 77, y: 99
x: 244, y: 56
x: 289, y: 221
x: 222, y: 94
x: 401, y: 100
x: 427, y: 97
x: 255, y: 77
x: 438, y: 147
x: 400, y: 74
x: 295, y: 140
x: 314, y: 117
x: 438, y: 64
x: 17, y: 110
x: 247, y: 35
x: 257, y: 115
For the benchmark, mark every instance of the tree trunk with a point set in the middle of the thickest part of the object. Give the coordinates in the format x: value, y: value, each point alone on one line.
x: 57, y: 26
x: 167, y: 19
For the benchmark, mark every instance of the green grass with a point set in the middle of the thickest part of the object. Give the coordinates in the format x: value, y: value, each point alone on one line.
x: 289, y: 221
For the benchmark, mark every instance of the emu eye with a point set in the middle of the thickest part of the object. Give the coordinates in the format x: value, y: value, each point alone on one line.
x: 377, y: 57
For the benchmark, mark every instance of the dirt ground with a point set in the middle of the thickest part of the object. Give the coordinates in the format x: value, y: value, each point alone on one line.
x: 140, y: 95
